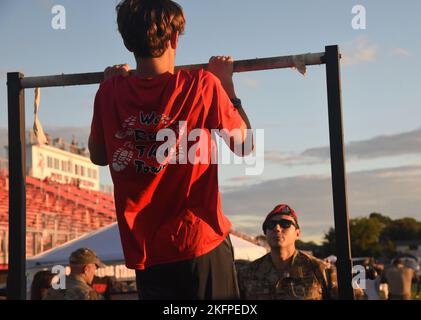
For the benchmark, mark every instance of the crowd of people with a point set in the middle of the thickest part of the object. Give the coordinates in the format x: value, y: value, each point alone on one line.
x: 285, y: 273
x: 399, y: 278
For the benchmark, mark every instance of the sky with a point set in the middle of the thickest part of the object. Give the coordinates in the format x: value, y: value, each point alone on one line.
x: 380, y: 90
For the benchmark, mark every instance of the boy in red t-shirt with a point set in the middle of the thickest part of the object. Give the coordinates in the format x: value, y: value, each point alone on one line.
x: 153, y: 128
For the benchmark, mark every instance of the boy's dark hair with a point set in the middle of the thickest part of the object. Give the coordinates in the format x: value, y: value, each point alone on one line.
x: 147, y: 25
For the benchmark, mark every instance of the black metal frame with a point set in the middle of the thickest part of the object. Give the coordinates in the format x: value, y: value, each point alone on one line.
x: 337, y: 159
x: 16, y: 279
x: 16, y: 284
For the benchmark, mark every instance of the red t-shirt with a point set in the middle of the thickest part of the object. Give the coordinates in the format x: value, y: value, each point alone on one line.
x: 166, y: 212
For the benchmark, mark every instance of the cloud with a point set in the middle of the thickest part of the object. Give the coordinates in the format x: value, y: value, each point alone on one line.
x: 241, y: 181
x: 400, y: 52
x: 249, y: 82
x: 358, y: 51
x: 377, y: 147
x: 394, y: 192
x: 290, y: 159
x: 405, y: 143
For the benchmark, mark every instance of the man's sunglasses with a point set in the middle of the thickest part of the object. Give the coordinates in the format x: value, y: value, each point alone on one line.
x: 284, y: 223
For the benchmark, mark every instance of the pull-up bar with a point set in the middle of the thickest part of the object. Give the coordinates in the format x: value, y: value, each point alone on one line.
x: 239, y: 66
x: 16, y: 83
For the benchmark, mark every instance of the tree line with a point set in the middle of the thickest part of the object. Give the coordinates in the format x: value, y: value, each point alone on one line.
x: 372, y: 236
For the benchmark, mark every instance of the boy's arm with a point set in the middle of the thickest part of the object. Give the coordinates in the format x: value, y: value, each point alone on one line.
x: 96, y: 142
x: 97, y: 152
x: 222, y: 67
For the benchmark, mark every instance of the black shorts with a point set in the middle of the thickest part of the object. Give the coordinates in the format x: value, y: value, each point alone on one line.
x: 211, y: 276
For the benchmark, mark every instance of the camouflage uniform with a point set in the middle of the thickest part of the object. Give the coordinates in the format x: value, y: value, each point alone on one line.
x: 305, y: 279
x: 76, y: 289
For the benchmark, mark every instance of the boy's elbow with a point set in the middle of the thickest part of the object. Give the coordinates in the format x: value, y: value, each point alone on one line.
x: 248, y: 150
x: 98, y: 157
x: 244, y: 148
x: 99, y: 161
x: 97, y: 154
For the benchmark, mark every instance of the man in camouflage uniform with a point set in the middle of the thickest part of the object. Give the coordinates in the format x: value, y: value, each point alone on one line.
x: 83, y: 264
x: 285, y: 273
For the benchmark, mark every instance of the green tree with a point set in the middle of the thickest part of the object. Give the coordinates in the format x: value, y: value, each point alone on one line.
x: 373, y: 236
x: 384, y: 220
x: 365, y: 236
x: 403, y: 229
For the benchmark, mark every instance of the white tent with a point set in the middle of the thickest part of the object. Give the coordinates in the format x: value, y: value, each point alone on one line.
x: 246, y: 250
x: 106, y: 243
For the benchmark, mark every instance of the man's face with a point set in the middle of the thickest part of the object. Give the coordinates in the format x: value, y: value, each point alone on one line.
x: 282, y: 237
x: 90, y: 272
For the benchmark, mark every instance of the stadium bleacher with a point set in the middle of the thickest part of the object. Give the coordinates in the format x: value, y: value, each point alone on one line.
x: 56, y: 213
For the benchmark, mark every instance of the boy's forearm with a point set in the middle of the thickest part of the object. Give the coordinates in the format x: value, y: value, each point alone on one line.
x: 248, y: 140
x: 97, y: 153
x: 228, y: 85
x: 244, y: 116
x: 248, y: 143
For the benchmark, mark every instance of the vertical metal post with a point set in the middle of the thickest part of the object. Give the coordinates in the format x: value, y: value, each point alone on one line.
x: 337, y: 156
x: 16, y: 280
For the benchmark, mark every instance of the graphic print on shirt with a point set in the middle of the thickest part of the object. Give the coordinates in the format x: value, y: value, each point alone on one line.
x: 127, y: 129
x: 122, y: 157
x: 141, y: 146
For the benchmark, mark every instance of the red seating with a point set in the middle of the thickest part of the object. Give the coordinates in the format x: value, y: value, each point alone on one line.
x: 57, y: 211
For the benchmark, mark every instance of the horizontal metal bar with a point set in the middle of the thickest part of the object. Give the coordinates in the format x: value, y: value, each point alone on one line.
x: 239, y: 66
